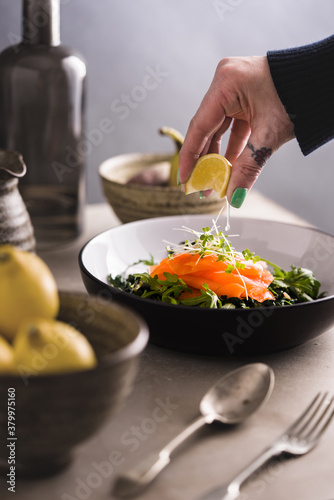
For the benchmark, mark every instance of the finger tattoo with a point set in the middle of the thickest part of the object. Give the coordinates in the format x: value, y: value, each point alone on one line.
x: 260, y: 155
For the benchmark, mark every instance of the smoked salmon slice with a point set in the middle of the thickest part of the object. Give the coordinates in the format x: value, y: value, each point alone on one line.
x: 238, y: 278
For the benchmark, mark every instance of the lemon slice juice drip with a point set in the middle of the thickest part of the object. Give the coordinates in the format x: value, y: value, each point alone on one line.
x: 228, y: 216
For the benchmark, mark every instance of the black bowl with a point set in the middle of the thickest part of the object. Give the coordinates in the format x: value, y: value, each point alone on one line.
x: 224, y: 332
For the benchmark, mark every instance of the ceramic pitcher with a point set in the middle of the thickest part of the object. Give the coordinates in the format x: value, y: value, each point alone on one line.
x: 15, y: 224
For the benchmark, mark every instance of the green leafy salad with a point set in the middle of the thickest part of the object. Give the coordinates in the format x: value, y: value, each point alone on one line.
x: 206, y: 271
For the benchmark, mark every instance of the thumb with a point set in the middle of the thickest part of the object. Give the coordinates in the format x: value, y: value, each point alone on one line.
x: 246, y: 169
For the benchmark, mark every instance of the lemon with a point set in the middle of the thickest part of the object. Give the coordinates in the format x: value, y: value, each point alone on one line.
x: 27, y: 289
x: 6, y: 357
x: 178, y: 140
x: 211, y: 171
x: 43, y: 346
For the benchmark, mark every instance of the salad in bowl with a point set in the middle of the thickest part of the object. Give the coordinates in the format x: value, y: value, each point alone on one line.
x: 265, y: 287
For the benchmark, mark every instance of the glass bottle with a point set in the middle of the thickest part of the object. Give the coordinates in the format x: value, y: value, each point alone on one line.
x: 42, y: 89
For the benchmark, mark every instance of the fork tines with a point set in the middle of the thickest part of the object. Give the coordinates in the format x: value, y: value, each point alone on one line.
x: 317, y: 416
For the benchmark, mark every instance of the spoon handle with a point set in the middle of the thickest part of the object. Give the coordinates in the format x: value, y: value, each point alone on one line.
x: 141, y: 475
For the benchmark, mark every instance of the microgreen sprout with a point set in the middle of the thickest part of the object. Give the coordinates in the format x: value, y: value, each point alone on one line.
x: 212, y: 241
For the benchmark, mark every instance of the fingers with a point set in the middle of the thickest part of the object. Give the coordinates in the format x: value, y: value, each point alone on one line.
x: 213, y: 146
x: 240, y: 132
x: 242, y: 90
x: 247, y: 168
x: 215, y: 141
x: 204, y: 133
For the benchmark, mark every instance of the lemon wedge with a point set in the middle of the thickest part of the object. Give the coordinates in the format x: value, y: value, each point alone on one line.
x: 211, y: 171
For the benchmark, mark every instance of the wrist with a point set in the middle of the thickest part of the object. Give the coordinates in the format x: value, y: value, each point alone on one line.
x: 296, y: 74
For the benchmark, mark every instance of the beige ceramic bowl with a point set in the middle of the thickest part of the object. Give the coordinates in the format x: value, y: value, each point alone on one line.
x: 132, y: 202
x: 54, y: 413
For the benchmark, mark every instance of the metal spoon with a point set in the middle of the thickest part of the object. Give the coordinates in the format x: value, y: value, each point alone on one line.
x: 230, y: 400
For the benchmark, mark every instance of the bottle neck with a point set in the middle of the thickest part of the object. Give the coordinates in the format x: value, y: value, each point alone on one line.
x: 41, y: 22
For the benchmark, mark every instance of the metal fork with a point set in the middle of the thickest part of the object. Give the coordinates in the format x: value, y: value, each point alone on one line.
x: 303, y: 435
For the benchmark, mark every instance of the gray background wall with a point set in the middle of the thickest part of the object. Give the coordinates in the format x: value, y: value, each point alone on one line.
x: 182, y: 41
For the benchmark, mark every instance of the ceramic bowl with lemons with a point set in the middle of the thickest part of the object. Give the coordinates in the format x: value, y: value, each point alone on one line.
x: 144, y: 185
x: 67, y: 363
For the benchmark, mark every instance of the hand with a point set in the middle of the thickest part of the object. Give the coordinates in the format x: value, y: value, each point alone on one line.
x: 242, y: 93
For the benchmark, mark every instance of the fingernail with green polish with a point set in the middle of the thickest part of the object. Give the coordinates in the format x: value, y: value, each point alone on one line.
x: 201, y: 195
x: 177, y: 177
x: 238, y: 197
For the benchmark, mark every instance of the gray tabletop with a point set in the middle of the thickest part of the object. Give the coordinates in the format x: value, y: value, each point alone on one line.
x: 167, y: 392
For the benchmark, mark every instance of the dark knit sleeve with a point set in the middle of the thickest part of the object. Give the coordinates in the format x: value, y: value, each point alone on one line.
x: 304, y: 80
